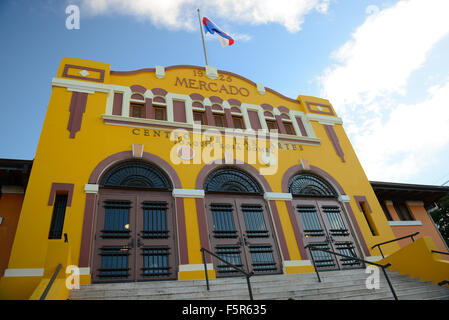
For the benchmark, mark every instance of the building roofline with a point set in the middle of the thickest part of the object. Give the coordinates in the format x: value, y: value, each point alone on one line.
x: 407, y: 186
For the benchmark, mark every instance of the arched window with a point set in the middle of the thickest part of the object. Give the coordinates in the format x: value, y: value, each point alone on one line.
x: 231, y: 180
x: 309, y: 185
x: 135, y: 174
x: 270, y: 121
x: 159, y: 108
x: 137, y: 106
x: 198, y: 112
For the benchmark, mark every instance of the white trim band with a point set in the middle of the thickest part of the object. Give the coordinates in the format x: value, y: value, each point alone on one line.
x: 91, y: 188
x: 405, y: 223
x: 277, y: 196
x: 77, y: 89
x: 195, y: 267
x: 85, y: 271
x: 373, y: 258
x: 330, y: 120
x: 344, y: 198
x: 188, y: 193
x: 75, y: 85
x: 296, y: 263
x: 24, y: 272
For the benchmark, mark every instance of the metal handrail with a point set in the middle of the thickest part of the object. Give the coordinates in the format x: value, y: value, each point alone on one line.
x: 383, y: 267
x: 442, y: 283
x: 247, y: 275
x: 404, y: 237
x: 441, y: 252
x: 50, y: 283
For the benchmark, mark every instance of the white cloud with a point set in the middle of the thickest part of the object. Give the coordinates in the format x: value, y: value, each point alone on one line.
x: 384, y: 51
x: 408, y: 141
x: 368, y: 86
x: 178, y: 14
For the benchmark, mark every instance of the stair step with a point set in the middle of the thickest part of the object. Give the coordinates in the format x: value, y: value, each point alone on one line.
x: 345, y: 284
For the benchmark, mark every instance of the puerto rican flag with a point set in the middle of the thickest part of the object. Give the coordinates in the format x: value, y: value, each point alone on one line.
x: 225, y: 40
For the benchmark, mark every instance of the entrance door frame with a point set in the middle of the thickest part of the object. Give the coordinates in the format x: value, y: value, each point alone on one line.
x: 342, y: 198
x: 319, y: 203
x: 90, y: 211
x: 136, y: 241
x: 242, y: 239
x: 265, y: 187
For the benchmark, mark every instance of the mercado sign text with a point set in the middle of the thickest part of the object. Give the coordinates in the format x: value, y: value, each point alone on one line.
x: 224, y: 84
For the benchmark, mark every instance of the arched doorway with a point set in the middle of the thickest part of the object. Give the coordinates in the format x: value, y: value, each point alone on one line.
x: 134, y: 237
x: 322, y: 221
x: 240, y: 226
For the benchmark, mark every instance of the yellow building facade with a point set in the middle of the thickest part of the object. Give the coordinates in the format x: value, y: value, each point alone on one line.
x: 136, y: 171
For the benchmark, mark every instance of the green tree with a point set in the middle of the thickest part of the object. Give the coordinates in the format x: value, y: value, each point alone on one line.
x: 441, y: 217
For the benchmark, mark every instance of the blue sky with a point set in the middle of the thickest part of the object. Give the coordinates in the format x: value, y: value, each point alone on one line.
x: 383, y: 64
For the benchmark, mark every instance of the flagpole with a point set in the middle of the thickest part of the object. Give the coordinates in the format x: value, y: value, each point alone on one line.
x: 202, y: 35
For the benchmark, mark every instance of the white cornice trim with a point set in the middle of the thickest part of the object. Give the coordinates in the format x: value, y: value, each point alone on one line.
x: 277, y: 196
x: 188, y: 193
x: 373, y: 258
x: 405, y: 223
x: 344, y: 198
x: 296, y: 263
x: 142, y: 123
x: 80, y: 86
x: 24, y: 272
x: 84, y: 271
x: 323, y: 119
x: 195, y: 267
x: 91, y: 188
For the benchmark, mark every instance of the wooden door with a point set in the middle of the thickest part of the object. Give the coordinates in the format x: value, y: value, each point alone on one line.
x: 114, y: 248
x: 339, y: 233
x: 241, y: 232
x: 325, y: 226
x: 156, y: 239
x: 135, y: 238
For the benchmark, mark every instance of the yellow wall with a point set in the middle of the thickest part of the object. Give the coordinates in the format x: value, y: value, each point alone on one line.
x: 60, y: 159
x: 417, y: 260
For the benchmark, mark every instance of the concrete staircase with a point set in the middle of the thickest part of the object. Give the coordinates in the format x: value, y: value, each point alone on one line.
x: 335, y: 285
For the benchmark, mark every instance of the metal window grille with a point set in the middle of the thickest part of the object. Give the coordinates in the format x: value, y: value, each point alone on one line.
x: 154, y: 220
x: 322, y: 259
x: 57, y: 219
x: 337, y: 226
x: 116, y: 219
x: 230, y: 254
x: 347, y: 248
x: 309, y: 185
x: 310, y: 221
x: 254, y: 221
x: 155, y: 262
x: 136, y: 174
x: 114, y: 262
x: 231, y: 180
x: 224, y: 226
x: 263, y: 260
